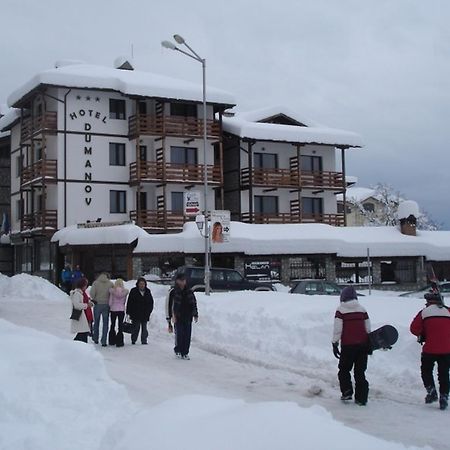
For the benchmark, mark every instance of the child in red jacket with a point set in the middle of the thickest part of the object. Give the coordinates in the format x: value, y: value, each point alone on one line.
x: 432, y: 327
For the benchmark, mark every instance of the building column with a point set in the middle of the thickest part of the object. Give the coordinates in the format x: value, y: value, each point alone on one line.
x: 422, y: 278
x: 330, y: 268
x: 239, y: 264
x: 136, y: 268
x: 285, y: 270
x: 376, y: 271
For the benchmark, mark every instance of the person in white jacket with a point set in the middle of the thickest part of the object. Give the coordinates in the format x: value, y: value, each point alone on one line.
x: 81, y: 327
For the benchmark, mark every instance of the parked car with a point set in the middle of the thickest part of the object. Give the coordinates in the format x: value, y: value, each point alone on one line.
x: 316, y: 287
x: 444, y: 288
x: 221, y: 280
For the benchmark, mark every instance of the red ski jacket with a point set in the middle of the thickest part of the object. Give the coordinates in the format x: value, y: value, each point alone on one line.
x: 351, y: 324
x: 433, y: 324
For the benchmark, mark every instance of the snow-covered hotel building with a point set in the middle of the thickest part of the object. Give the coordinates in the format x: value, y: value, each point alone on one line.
x: 92, y: 144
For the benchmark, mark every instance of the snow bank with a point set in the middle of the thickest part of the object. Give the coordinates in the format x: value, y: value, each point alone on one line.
x: 130, y: 82
x: 206, y: 423
x: 26, y: 287
x: 291, y: 239
x: 55, y: 393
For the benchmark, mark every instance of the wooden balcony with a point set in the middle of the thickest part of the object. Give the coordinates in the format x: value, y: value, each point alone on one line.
x: 269, y: 177
x: 150, y: 125
x: 45, y: 220
x: 42, y: 171
x: 45, y: 123
x: 283, y: 218
x: 159, y: 220
x: 290, y: 178
x: 151, y: 171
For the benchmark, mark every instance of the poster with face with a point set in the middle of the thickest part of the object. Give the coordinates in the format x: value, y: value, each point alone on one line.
x: 220, y: 226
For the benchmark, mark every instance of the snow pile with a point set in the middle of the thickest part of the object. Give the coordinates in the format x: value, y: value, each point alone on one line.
x: 292, y: 239
x: 248, y: 125
x: 26, y: 287
x: 56, y: 393
x: 130, y: 82
x: 408, y: 208
x: 295, y: 331
x: 206, y: 423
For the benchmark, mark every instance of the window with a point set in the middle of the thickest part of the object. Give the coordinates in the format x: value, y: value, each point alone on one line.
x: 183, y: 155
x: 183, y: 109
x: 340, y: 208
x: 117, y: 109
x: 234, y: 277
x: 143, y: 152
x: 311, y: 163
x: 19, y: 209
x: 217, y: 275
x: 19, y: 165
x: 177, y: 201
x: 266, y: 204
x: 116, y: 154
x: 265, y: 161
x: 142, y: 107
x: 117, y: 202
x: 39, y: 202
x: 312, y: 206
x: 331, y: 289
x: 141, y: 197
x: 369, y: 207
x: 38, y: 153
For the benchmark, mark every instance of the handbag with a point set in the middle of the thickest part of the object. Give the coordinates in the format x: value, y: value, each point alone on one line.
x: 127, y: 325
x: 76, y: 314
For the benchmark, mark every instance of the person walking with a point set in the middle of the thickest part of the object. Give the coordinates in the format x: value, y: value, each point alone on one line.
x: 117, y: 299
x: 100, y: 296
x: 66, y: 279
x: 432, y: 327
x: 351, y: 329
x: 183, y: 311
x: 139, y: 308
x: 81, y: 326
x: 77, y: 274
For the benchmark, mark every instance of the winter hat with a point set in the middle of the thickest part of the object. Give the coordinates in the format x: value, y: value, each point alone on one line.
x: 434, y: 298
x: 180, y: 276
x: 348, y: 293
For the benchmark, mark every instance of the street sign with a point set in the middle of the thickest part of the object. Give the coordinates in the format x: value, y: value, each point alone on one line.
x: 192, y: 203
x: 220, y: 226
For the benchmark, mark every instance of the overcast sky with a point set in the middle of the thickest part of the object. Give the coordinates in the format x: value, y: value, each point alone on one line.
x: 377, y: 67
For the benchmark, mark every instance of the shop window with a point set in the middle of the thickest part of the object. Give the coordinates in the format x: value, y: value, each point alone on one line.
x: 353, y: 272
x: 307, y: 267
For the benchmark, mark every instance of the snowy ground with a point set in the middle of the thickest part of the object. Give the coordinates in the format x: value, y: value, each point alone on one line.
x: 263, y: 359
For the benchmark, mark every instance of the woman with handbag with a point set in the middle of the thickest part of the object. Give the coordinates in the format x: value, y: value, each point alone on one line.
x: 82, y: 317
x: 117, y: 298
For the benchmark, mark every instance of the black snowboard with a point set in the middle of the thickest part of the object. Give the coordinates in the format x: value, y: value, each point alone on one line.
x: 383, y: 338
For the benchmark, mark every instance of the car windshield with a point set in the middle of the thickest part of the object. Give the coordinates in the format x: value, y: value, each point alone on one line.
x: 234, y: 276
x: 198, y: 273
x: 331, y: 288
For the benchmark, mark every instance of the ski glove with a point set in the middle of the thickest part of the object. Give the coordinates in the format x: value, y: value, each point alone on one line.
x: 336, y: 352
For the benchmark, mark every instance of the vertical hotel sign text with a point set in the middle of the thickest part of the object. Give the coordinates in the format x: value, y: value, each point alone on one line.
x: 88, y: 116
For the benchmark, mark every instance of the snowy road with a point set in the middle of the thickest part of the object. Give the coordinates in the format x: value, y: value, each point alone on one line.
x: 151, y: 375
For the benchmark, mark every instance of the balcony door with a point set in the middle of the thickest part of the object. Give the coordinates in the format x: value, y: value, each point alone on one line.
x: 265, y: 161
x: 186, y: 110
x: 311, y: 163
x: 141, y: 201
x: 183, y: 155
x: 266, y: 205
x: 312, y: 207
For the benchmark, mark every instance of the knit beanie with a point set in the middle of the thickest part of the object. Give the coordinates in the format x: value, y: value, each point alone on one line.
x: 348, y: 293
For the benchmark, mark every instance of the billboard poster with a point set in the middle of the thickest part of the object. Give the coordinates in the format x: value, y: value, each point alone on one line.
x: 192, y: 205
x: 220, y: 226
x: 262, y: 269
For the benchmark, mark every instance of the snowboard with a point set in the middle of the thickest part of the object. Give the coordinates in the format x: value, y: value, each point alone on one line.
x: 383, y: 338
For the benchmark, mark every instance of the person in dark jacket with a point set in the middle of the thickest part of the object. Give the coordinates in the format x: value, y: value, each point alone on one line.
x: 432, y: 327
x: 139, y: 308
x: 182, y: 310
x: 77, y: 274
x: 351, y: 329
x: 66, y: 279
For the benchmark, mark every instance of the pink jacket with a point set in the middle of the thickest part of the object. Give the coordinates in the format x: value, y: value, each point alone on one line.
x: 117, y: 299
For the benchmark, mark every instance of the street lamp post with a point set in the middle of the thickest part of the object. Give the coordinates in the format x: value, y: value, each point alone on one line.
x: 194, y: 55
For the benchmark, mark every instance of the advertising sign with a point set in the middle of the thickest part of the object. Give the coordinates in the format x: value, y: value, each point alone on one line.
x: 192, y: 203
x: 220, y: 227
x: 262, y: 269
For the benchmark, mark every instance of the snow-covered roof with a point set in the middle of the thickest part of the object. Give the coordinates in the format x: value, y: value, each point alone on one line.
x: 357, y: 194
x: 11, y: 116
x: 130, y: 82
x: 252, y: 239
x: 98, y: 235
x: 251, y: 125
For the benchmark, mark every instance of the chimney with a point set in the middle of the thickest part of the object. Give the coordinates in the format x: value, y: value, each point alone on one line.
x: 408, y: 212
x: 123, y: 63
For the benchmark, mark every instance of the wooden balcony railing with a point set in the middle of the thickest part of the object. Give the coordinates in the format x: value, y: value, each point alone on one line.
x: 45, y: 122
x: 46, y: 219
x: 159, y: 220
x: 330, y: 219
x: 174, y: 173
x: 278, y: 178
x: 143, y: 124
x: 40, y: 171
x: 269, y: 177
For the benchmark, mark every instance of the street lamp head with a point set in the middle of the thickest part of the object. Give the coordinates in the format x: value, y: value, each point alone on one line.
x: 200, y: 221
x: 179, y: 39
x: 169, y: 45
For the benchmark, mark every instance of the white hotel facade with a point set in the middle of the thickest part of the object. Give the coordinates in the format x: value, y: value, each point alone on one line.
x: 91, y: 143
